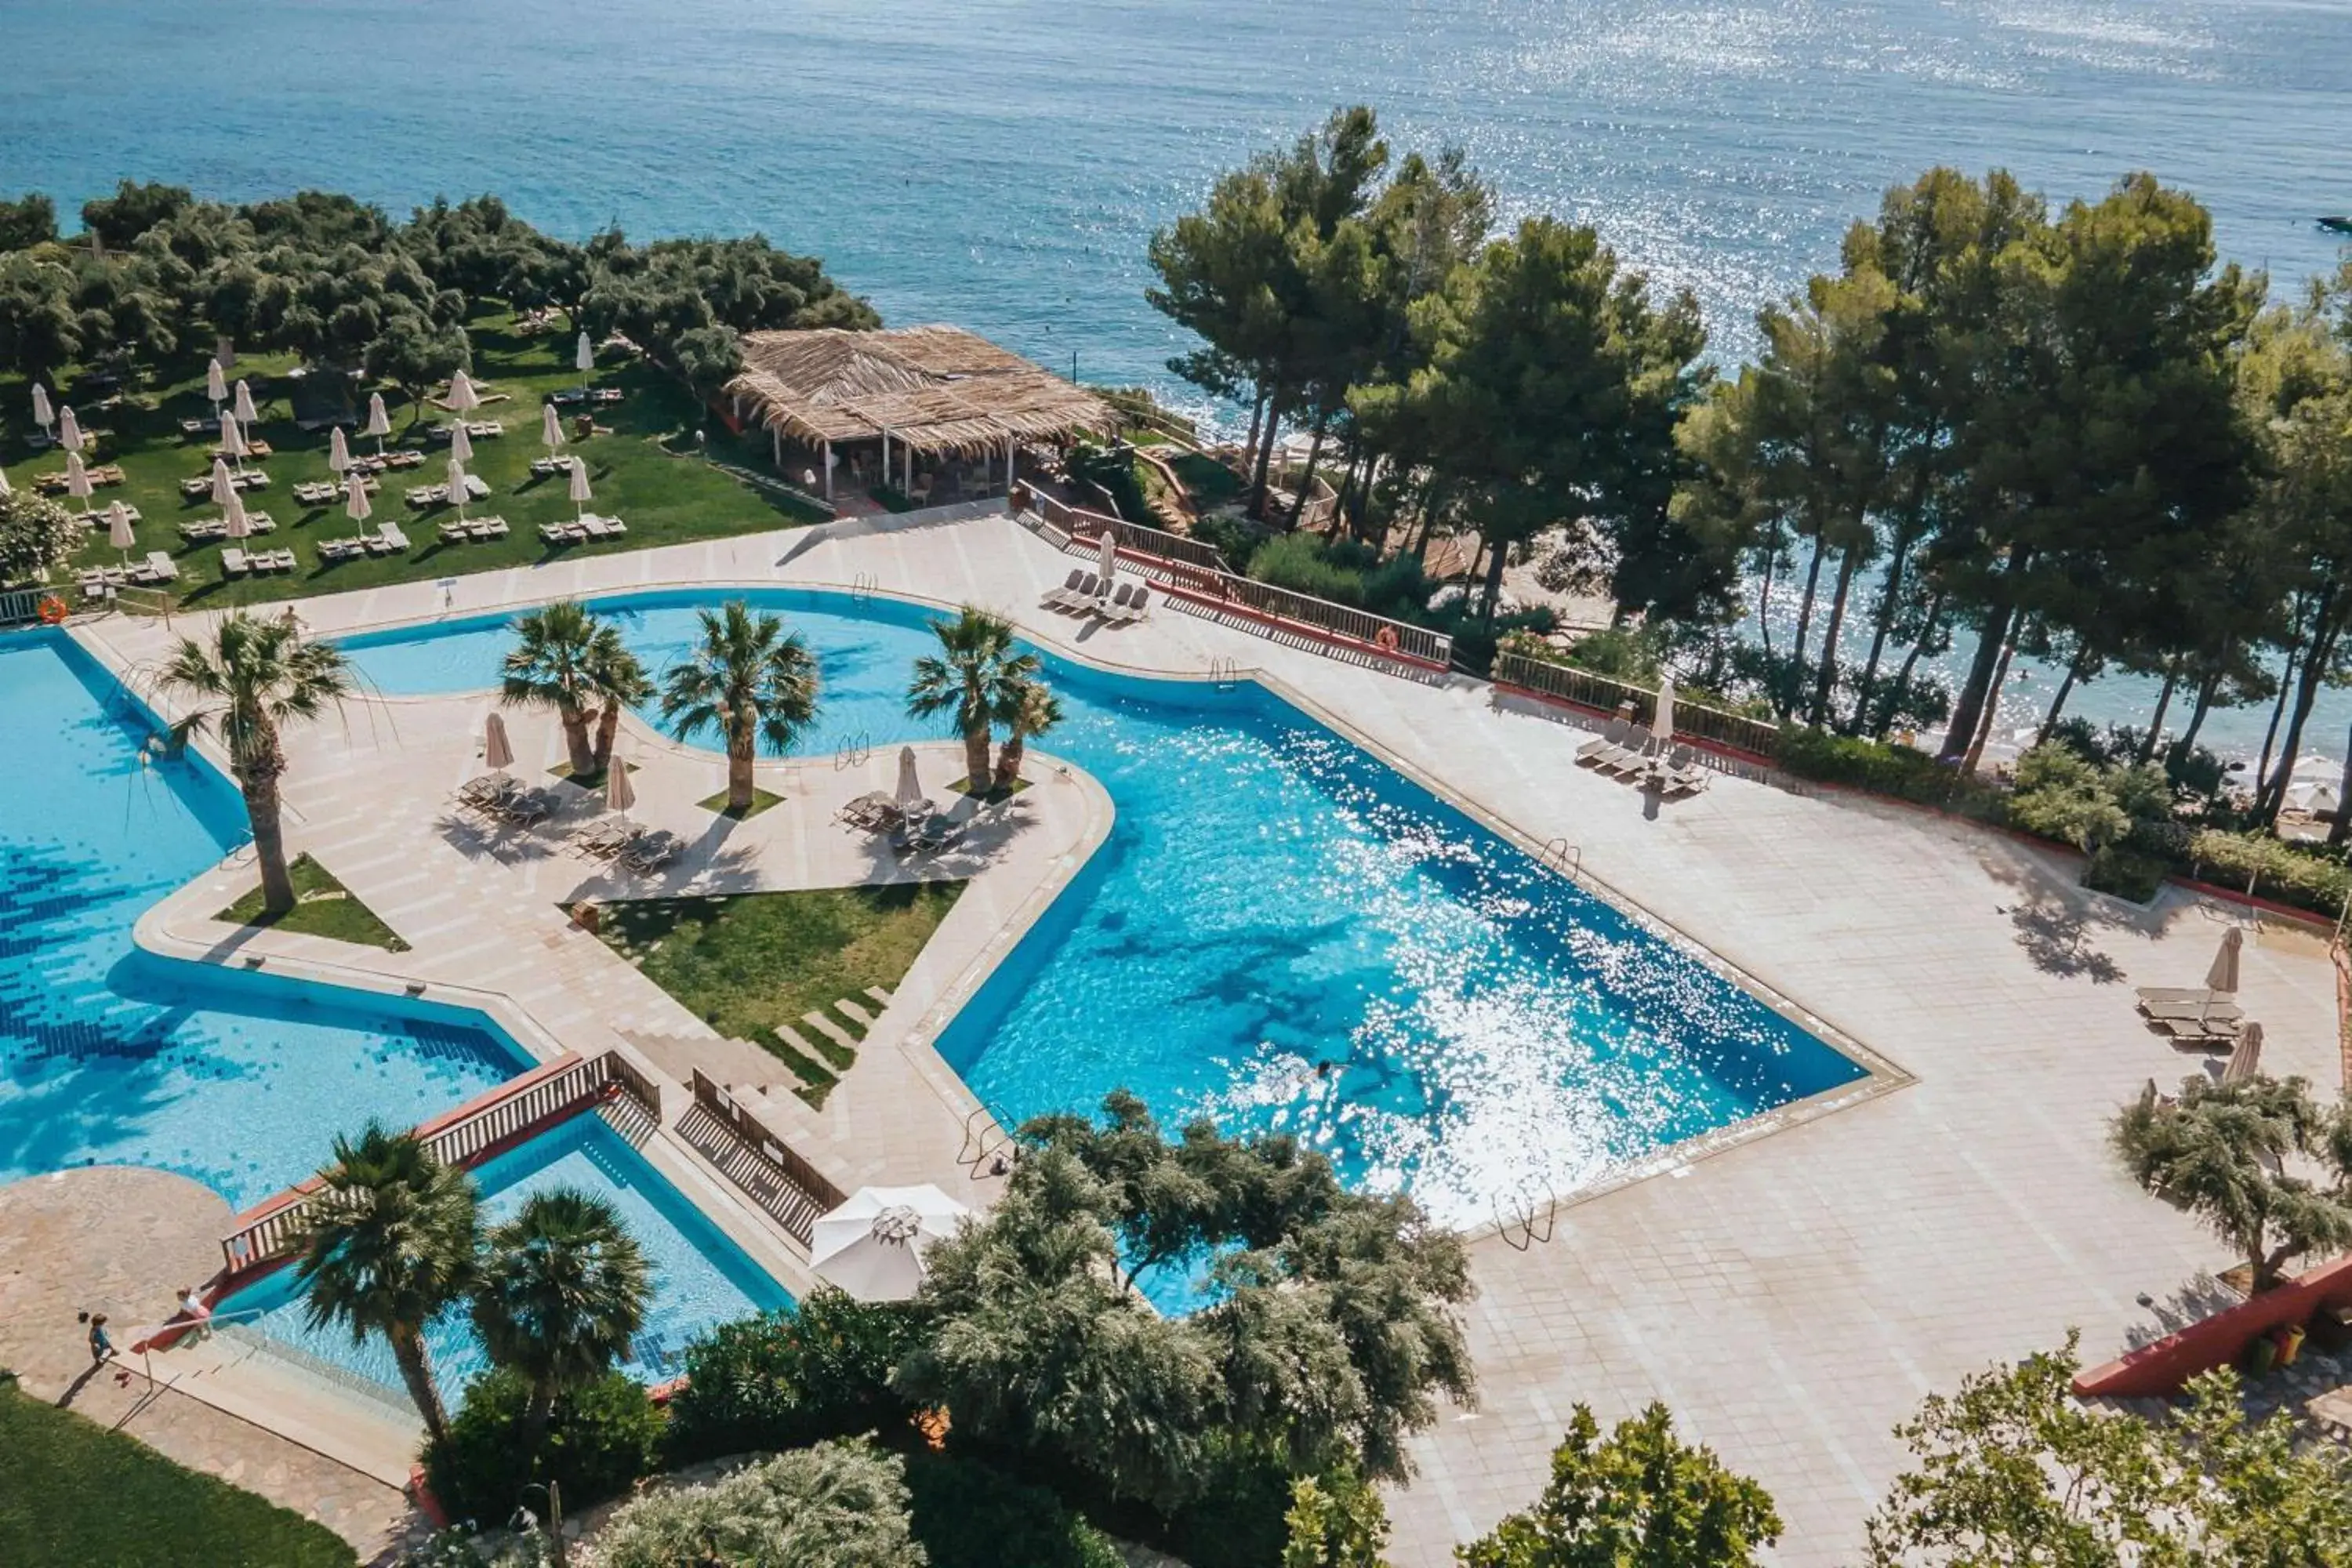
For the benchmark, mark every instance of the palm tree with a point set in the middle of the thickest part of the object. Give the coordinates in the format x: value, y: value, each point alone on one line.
x: 1033, y: 711
x: 622, y: 681
x: 748, y: 682
x: 566, y: 659
x: 388, y: 1243
x: 252, y: 675
x: 562, y: 1291
x: 974, y: 675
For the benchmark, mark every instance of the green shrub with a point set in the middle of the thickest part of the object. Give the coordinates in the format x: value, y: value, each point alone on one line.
x: 600, y: 1440
x: 1299, y: 562
x: 836, y: 1505
x: 1241, y: 1519
x: 970, y: 1515
x: 1232, y: 535
x: 1883, y: 769
x: 787, y: 1380
x: 2310, y: 880
x: 1621, y: 653
x: 2126, y: 874
x: 1111, y: 469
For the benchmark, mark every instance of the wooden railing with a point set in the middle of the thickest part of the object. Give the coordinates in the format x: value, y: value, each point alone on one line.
x: 780, y: 1159
x: 1377, y: 633
x: 463, y: 1138
x: 1693, y: 720
x: 1087, y: 526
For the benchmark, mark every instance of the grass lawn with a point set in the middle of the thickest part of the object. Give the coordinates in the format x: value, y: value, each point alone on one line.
x: 73, y: 1494
x: 761, y: 801
x: 747, y: 962
x: 326, y: 909
x: 662, y: 496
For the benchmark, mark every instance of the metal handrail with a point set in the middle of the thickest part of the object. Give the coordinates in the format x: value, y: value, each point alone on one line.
x: 1562, y: 856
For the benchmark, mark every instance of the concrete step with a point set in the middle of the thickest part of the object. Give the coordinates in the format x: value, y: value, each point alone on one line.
x: 879, y: 995
x: 856, y: 1014
x: 831, y: 1031
x: 800, y: 1042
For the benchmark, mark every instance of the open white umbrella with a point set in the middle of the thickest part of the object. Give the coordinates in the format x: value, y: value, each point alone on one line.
x: 379, y: 422
x: 246, y: 413
x: 77, y: 483
x: 215, y: 385
x: 584, y: 356
x: 70, y: 431
x: 619, y: 793
x: 355, y: 500
x: 43, y: 415
x: 1108, y: 564
x: 551, y: 429
x: 873, y: 1245
x: 1661, y: 724
x: 910, y: 798
x: 234, y: 522
x: 223, y: 486
x: 497, y: 751
x: 2247, y: 1060
x: 462, y: 395
x: 457, y: 487
x: 339, y: 452
x: 580, y: 493
x: 461, y: 446
x: 117, y: 529
x: 232, y: 439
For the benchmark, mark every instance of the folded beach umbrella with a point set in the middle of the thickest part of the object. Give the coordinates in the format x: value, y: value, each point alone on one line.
x: 2222, y: 978
x: 339, y: 451
x: 223, y: 486
x: 69, y: 431
x: 873, y: 1245
x: 379, y: 422
x: 497, y: 751
x: 118, y: 528
x: 245, y: 415
x: 1663, y: 724
x: 231, y: 439
x: 215, y: 385
x: 462, y: 395
x: 2247, y: 1060
x: 355, y: 500
x: 77, y: 483
x: 461, y: 446
x: 551, y: 429
x: 910, y: 788
x: 1109, y: 566
x: 619, y: 793
x: 457, y: 487
x: 233, y: 518
x: 581, y: 494
x: 584, y: 356
x: 43, y: 415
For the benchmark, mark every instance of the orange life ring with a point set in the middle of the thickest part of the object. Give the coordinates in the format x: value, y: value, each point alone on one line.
x: 52, y: 611
x: 1385, y: 639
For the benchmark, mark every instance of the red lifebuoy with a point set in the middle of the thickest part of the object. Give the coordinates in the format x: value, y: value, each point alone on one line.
x: 52, y: 611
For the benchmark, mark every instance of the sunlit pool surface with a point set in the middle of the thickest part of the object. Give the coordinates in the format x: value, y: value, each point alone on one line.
x: 233, y: 1078
x: 1282, y: 933
x: 700, y: 1277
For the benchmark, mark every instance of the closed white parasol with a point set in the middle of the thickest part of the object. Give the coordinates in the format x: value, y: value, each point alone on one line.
x: 462, y: 395
x: 379, y: 422
x: 355, y: 499
x: 339, y: 451
x: 1109, y: 566
x: 246, y: 413
x: 232, y: 439
x: 5, y: 489
x: 215, y: 385
x: 581, y: 494
x: 873, y: 1245
x: 461, y: 446
x: 2246, y: 1060
x: 497, y: 751
x: 77, y: 483
x: 583, y: 355
x: 118, y: 528
x: 233, y: 519
x: 1663, y: 724
x: 910, y: 798
x: 619, y: 793
x: 551, y: 429
x: 223, y: 486
x: 457, y: 487
x: 43, y: 415
x: 70, y: 431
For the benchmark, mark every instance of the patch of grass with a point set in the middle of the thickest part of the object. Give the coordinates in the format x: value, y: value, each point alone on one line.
x: 992, y: 794
x: 74, y: 1493
x: 325, y: 908
x: 585, y: 781
x: 747, y: 962
x: 761, y: 801
x: 1211, y: 483
x: 665, y: 499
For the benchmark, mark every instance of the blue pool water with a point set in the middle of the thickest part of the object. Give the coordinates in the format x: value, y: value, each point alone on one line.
x: 1284, y: 933
x: 237, y: 1079
x: 700, y: 1277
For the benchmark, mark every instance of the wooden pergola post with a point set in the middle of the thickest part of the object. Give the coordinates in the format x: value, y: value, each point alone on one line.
x: 908, y: 489
x: 828, y: 471
x: 885, y: 454
x: 776, y: 445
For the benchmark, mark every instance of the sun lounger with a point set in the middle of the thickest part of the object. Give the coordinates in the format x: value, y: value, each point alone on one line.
x: 1628, y: 757
x: 233, y: 561
x: 1115, y: 606
x: 1058, y: 599
x: 1680, y: 773
x: 1607, y: 741
x: 161, y: 567
x: 603, y: 840
x: 1136, y: 607
x: 2215, y: 1006
x: 651, y: 852
x: 1083, y: 597
x: 2202, y: 1033
x: 2182, y: 993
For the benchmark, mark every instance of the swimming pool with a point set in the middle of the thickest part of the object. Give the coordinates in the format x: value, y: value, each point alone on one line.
x: 234, y: 1078
x: 700, y: 1277
x: 1284, y: 933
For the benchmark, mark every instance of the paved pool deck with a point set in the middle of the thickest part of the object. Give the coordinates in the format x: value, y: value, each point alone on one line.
x: 1790, y: 1296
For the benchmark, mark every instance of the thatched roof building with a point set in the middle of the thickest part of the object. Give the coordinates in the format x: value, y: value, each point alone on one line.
x: 938, y: 391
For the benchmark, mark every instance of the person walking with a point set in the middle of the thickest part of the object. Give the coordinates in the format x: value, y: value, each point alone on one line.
x: 101, y: 1346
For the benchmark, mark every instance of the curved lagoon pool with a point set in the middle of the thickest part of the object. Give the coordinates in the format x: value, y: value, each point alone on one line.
x: 233, y: 1078
x: 1284, y: 933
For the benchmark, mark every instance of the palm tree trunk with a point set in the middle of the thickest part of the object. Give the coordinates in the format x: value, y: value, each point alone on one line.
x: 1008, y: 760
x: 417, y: 1371
x: 608, y: 727
x: 581, y: 754
x: 975, y: 758
x: 743, y: 747
x: 261, y: 808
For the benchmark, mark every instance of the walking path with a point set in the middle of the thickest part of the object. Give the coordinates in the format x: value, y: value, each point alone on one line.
x: 1790, y: 1296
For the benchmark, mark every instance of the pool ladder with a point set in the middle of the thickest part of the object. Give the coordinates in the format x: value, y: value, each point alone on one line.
x: 855, y: 751
x: 863, y: 586
x: 1224, y: 673
x: 1564, y: 858
x: 980, y: 1156
x: 1526, y: 1222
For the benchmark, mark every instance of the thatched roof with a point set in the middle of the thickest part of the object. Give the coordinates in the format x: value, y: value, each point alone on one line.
x: 941, y: 390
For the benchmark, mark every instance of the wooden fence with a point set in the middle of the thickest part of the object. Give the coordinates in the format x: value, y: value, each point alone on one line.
x: 1086, y: 527
x: 781, y: 1159
x: 463, y: 1137
x: 1693, y: 720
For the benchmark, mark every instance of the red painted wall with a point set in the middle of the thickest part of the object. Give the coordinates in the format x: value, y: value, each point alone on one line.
x: 2157, y: 1370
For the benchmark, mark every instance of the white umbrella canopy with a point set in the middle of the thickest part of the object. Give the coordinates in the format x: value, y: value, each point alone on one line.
x: 233, y: 518
x: 70, y: 431
x: 355, y: 499
x: 339, y: 451
x: 458, y: 486
x: 2246, y: 1060
x: 551, y: 429
x: 580, y: 493
x: 1661, y: 724
x: 246, y: 413
x: 462, y: 395
x: 1108, y: 564
x: 118, y: 528
x: 619, y: 793
x: 2313, y: 796
x: 497, y: 751
x: 910, y: 788
x: 43, y: 415
x: 223, y: 486
x: 873, y: 1245
x: 216, y: 385
x: 2223, y: 977
x: 583, y: 355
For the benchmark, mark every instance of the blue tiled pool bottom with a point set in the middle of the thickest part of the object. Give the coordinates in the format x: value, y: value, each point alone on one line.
x: 1284, y: 933
x: 700, y: 1277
